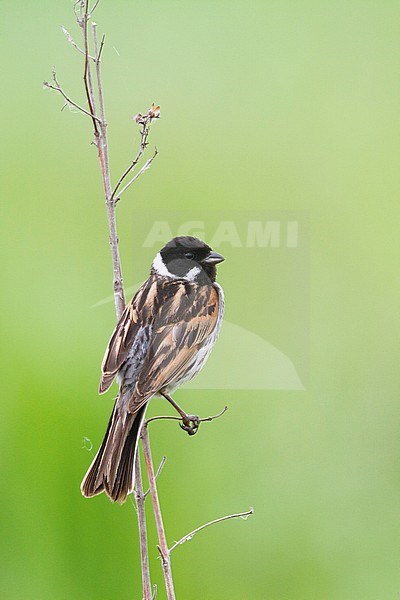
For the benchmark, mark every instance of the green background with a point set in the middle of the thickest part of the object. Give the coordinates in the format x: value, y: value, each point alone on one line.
x: 266, y: 105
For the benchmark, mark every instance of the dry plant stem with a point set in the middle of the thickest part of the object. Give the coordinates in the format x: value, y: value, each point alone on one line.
x: 163, y: 547
x: 140, y: 499
x: 242, y: 515
x: 100, y: 133
x: 102, y: 148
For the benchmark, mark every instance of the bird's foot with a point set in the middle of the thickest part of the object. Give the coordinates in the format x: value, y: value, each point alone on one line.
x: 190, y: 424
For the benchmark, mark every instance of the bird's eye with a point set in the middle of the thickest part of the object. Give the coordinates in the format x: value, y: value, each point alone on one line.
x: 189, y: 255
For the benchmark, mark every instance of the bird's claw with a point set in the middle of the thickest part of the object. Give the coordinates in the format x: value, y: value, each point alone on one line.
x: 190, y: 424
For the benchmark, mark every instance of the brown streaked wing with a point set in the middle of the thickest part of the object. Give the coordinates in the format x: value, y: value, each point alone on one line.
x: 137, y: 312
x: 173, y: 345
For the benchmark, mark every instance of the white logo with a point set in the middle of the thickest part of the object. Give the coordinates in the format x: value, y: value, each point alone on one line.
x: 257, y: 234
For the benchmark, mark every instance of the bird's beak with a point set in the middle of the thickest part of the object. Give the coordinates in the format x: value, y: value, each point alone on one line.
x: 212, y: 259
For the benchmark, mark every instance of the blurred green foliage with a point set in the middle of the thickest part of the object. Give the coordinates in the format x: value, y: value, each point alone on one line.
x: 265, y: 105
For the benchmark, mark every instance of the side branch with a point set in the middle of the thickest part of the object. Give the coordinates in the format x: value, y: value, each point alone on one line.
x: 57, y: 87
x: 145, y: 121
x: 187, y: 537
x: 71, y: 40
x: 146, y: 166
x: 172, y: 418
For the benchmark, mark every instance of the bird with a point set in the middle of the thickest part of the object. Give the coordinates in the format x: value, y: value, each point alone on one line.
x: 162, y: 340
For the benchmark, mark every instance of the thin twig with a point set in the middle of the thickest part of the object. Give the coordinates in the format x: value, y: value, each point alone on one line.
x: 57, y: 87
x: 187, y: 537
x: 144, y: 134
x: 87, y: 78
x: 158, y: 473
x: 91, y: 98
x: 71, y: 40
x: 138, y: 174
x: 144, y: 555
x: 125, y: 174
x: 78, y: 4
x: 163, y: 546
x: 171, y: 418
x: 99, y: 81
x: 101, y: 47
x: 94, y: 6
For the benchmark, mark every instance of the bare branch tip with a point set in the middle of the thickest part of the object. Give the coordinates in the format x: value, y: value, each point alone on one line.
x: 162, y: 556
x: 94, y: 6
x: 247, y: 514
x: 101, y: 47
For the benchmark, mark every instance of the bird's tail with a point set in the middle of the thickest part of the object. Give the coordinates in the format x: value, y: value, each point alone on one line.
x: 112, y: 470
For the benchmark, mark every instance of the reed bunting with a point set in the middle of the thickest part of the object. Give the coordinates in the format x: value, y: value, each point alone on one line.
x: 162, y: 340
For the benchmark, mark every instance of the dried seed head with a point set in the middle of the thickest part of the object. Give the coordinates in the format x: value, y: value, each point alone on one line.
x: 140, y: 119
x: 154, y: 111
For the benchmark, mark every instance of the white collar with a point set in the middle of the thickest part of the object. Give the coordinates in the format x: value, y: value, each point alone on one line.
x: 160, y: 268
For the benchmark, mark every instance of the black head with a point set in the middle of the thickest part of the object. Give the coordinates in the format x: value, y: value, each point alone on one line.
x: 188, y: 258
